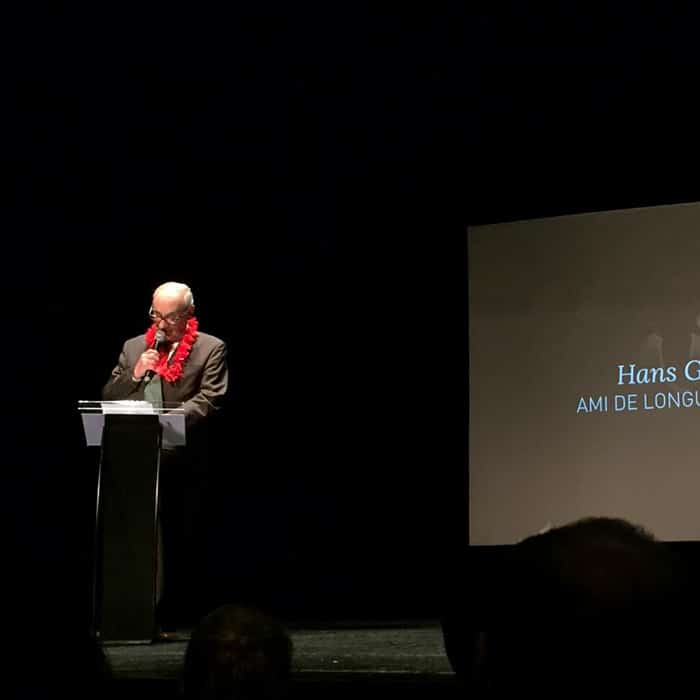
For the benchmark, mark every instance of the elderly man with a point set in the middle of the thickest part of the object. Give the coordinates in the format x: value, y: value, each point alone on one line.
x: 188, y: 366
x: 174, y: 362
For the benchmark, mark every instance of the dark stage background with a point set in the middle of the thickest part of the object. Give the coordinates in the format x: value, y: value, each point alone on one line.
x: 310, y: 170
x: 282, y: 162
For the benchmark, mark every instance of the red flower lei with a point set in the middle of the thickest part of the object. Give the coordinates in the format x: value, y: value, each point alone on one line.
x: 172, y: 371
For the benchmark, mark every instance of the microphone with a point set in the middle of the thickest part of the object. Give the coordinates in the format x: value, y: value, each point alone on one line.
x: 160, y: 337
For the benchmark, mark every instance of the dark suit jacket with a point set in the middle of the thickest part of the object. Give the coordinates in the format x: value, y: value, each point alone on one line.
x: 202, y: 387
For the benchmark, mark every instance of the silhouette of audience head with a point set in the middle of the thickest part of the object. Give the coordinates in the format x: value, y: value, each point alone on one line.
x: 237, y: 652
x: 70, y: 663
x: 585, y: 608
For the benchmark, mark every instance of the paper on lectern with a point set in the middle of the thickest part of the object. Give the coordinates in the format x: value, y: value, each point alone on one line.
x: 127, y: 407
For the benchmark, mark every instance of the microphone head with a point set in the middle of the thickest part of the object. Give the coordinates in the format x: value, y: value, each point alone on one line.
x: 160, y: 337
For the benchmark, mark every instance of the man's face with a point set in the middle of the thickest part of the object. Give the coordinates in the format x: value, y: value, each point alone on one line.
x: 170, y: 316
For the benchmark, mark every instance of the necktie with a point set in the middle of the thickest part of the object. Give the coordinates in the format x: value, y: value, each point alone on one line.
x: 153, y: 391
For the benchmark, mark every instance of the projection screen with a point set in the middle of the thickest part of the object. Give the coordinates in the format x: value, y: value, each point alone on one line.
x: 584, y: 372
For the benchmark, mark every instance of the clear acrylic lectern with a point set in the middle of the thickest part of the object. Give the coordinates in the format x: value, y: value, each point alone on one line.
x: 130, y: 435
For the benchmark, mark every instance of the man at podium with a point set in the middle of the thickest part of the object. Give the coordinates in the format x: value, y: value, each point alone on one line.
x: 173, y: 362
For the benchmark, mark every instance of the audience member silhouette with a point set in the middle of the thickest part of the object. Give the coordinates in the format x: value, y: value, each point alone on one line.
x: 66, y: 664
x: 237, y: 653
x: 586, y: 609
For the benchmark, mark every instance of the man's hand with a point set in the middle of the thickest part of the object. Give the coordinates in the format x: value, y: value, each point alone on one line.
x: 148, y: 360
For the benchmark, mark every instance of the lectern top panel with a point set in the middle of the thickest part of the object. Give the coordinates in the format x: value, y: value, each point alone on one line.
x: 171, y: 417
x: 126, y: 407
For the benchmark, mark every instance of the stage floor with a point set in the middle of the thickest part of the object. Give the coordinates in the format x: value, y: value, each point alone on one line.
x: 402, y: 650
